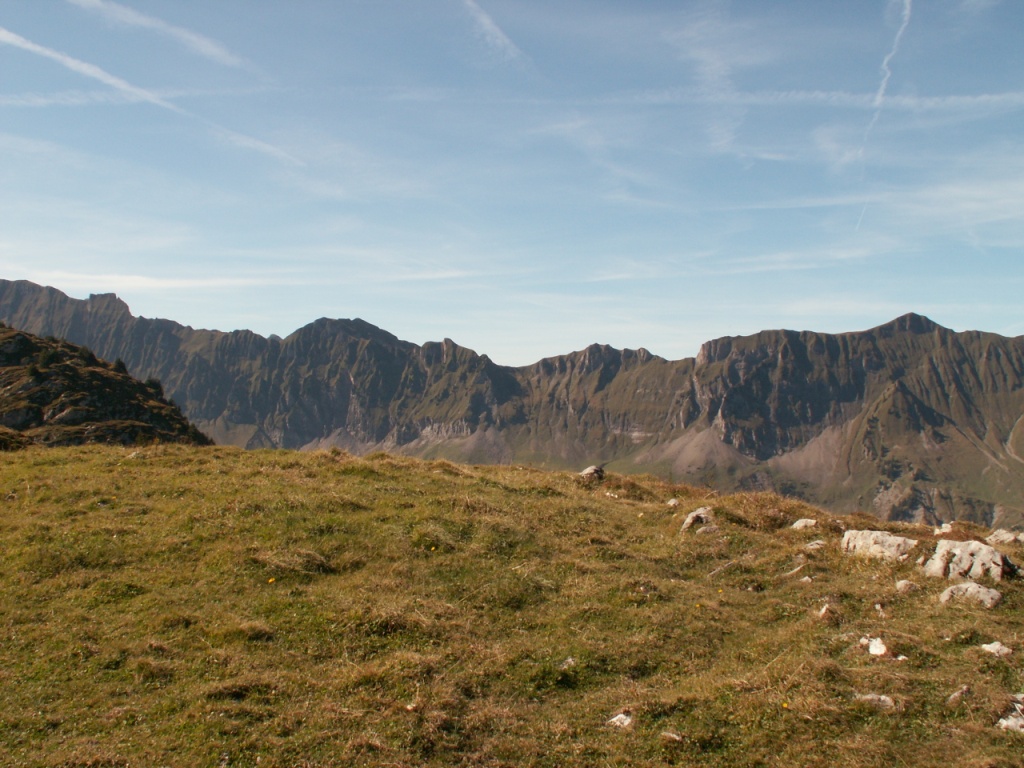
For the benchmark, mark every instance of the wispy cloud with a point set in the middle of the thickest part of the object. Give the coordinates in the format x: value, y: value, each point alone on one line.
x: 133, y: 93
x: 718, y: 47
x: 492, y: 34
x: 88, y: 70
x: 195, y: 42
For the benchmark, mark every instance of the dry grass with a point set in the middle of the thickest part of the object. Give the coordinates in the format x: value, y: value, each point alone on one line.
x: 180, y: 606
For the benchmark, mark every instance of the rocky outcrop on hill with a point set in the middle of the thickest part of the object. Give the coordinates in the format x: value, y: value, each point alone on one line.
x: 908, y: 420
x: 56, y: 393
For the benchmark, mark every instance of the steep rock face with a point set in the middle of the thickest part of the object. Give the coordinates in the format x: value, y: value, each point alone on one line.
x: 909, y: 419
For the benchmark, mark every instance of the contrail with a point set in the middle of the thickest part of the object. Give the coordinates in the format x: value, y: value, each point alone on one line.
x: 200, y: 44
x: 879, y: 99
x: 887, y: 73
x: 134, y: 93
x: 492, y: 33
x: 88, y: 70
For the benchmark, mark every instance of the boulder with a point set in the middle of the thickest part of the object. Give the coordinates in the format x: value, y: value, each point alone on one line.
x: 592, y: 474
x: 968, y: 559
x: 878, y: 544
x: 905, y: 586
x: 701, y: 515
x: 804, y: 523
x: 988, y: 598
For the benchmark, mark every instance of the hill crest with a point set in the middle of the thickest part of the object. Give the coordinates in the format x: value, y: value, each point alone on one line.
x: 909, y: 419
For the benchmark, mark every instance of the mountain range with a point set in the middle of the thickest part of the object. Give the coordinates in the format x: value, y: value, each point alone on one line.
x: 908, y: 420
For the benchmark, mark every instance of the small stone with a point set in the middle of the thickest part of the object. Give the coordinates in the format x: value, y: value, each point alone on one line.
x: 816, y: 544
x: 708, y: 529
x: 957, y: 696
x: 806, y: 522
x: 944, y: 528
x: 806, y: 580
x: 874, y: 645
x: 904, y: 586
x: 592, y: 473
x: 673, y: 502
x: 621, y: 720
x: 1002, y: 536
x: 825, y: 611
x: 988, y: 598
x: 876, y: 700
x: 996, y: 649
x: 671, y: 736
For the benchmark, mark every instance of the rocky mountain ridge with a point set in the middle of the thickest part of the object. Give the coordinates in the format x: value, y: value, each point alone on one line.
x: 909, y: 420
x: 56, y: 393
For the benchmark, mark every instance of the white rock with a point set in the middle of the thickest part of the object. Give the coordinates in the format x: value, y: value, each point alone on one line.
x: 875, y: 700
x: 593, y: 473
x: 813, y: 545
x: 874, y: 645
x: 804, y: 523
x: 1003, y: 536
x: 968, y: 559
x: 989, y: 598
x: 700, y: 515
x: 903, y: 586
x: 944, y: 528
x: 708, y: 529
x: 997, y: 649
x: 621, y: 720
x: 825, y: 611
x: 673, y: 502
x: 1014, y: 722
x: 878, y: 544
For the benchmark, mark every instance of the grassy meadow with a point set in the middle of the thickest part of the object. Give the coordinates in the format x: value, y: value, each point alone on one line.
x: 178, y: 606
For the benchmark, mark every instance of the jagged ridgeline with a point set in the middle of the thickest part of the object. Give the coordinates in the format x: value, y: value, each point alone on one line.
x: 909, y: 420
x: 56, y: 393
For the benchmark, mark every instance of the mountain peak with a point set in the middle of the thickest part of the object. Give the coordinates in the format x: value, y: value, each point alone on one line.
x: 908, y: 323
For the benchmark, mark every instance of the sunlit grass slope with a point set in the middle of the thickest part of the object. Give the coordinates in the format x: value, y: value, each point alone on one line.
x: 174, y: 606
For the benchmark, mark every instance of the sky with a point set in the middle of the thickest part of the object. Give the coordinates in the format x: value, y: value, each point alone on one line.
x: 525, y: 177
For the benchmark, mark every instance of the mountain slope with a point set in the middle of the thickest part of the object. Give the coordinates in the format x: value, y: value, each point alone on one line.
x: 909, y: 420
x: 54, y: 393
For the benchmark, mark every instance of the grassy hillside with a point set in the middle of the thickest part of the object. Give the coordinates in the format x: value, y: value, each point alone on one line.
x: 175, y: 606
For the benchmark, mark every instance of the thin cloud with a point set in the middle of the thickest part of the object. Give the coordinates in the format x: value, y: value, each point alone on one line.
x: 136, y: 94
x: 88, y: 70
x: 883, y: 86
x: 492, y: 34
x: 195, y: 42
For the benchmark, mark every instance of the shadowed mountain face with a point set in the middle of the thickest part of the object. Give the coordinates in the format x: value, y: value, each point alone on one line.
x: 908, y: 420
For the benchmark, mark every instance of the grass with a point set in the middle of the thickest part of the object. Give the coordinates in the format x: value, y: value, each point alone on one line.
x: 174, y: 606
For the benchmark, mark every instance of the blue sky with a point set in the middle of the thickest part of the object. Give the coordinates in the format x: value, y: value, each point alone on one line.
x: 524, y: 177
